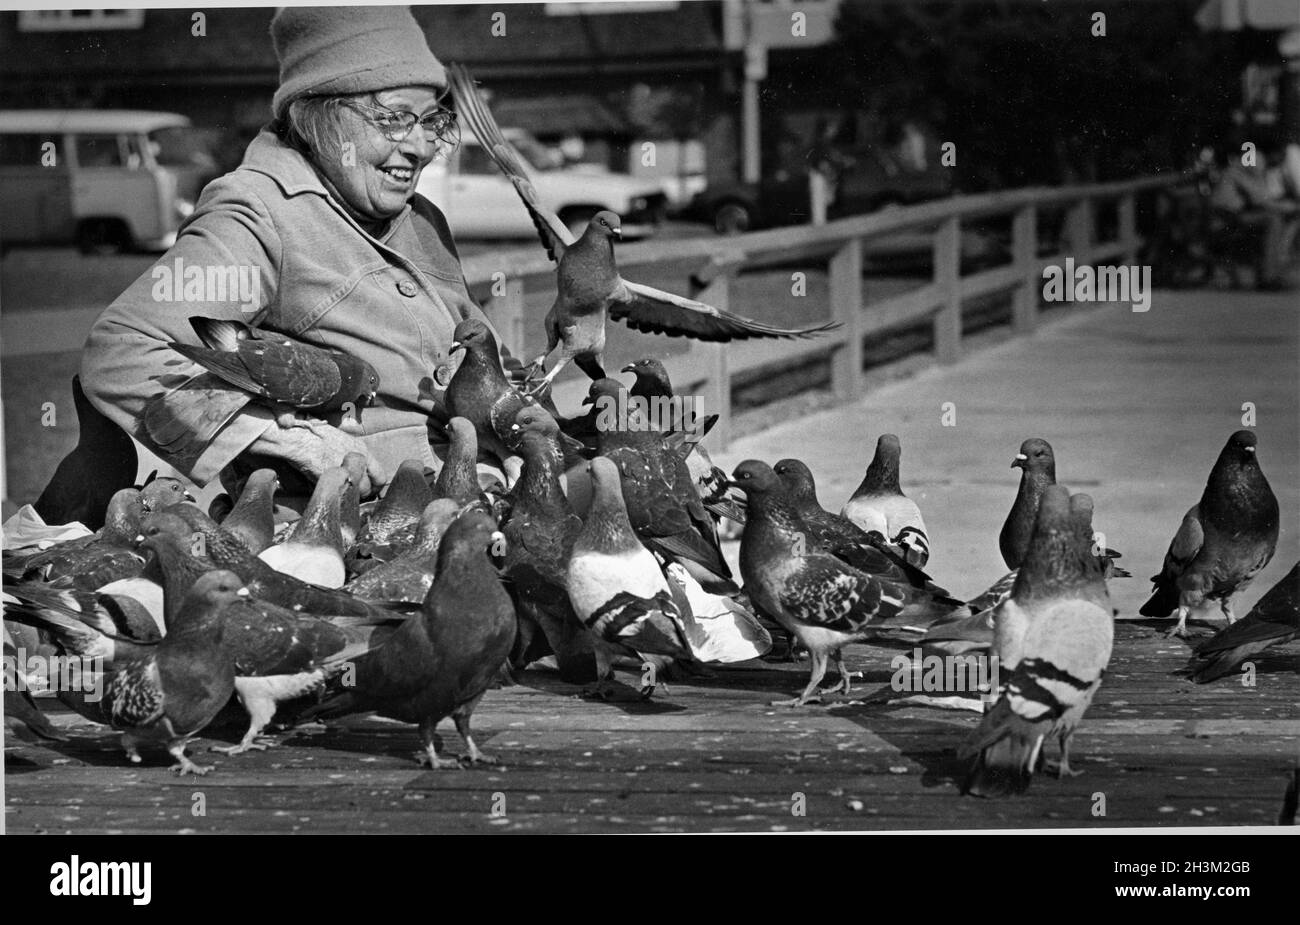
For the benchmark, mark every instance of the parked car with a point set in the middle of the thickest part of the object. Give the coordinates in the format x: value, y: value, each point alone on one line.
x: 108, y: 180
x: 481, y: 203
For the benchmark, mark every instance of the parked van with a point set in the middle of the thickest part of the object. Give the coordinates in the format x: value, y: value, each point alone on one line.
x: 480, y: 202
x: 108, y: 180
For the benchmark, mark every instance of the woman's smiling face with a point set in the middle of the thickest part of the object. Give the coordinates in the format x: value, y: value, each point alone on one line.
x: 380, y: 178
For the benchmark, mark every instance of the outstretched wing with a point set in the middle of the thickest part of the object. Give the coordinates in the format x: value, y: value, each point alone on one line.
x: 553, y: 232
x: 654, y: 311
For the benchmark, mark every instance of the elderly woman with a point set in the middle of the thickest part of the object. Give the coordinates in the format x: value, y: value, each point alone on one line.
x: 323, y: 213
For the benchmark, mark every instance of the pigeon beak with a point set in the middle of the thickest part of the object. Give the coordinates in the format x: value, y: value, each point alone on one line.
x: 629, y: 368
x: 618, y: 234
x: 188, y: 497
x: 242, y: 592
x: 455, y: 345
x: 1249, y: 449
x: 139, y: 538
x: 1019, y: 461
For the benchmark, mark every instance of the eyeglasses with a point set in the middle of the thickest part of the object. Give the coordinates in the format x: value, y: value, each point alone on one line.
x: 397, y: 124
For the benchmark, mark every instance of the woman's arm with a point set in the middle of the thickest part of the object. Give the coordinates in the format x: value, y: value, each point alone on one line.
x: 225, y: 264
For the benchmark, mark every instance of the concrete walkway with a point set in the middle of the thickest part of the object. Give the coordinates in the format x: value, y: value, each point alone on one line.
x: 1135, y: 405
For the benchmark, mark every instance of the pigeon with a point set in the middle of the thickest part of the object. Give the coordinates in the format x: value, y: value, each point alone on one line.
x: 1274, y: 620
x: 90, y: 561
x: 823, y: 602
x: 357, y: 465
x: 409, y: 575
x: 252, y: 519
x: 662, y: 502
x: 655, y: 389
x: 540, y: 531
x: 441, y: 662
x: 262, y: 581
x: 844, y: 539
x: 167, y: 692
x: 314, y: 552
x: 479, y: 390
x: 589, y: 286
x: 1053, y: 643
x: 102, y: 463
x: 1224, y: 541
x: 458, y: 478
x: 284, y: 372
x: 617, y: 587
x: 1037, y: 468
x: 399, y: 509
x: 879, y: 505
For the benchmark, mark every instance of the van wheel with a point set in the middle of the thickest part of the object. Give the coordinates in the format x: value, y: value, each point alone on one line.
x: 102, y: 236
x: 576, y: 219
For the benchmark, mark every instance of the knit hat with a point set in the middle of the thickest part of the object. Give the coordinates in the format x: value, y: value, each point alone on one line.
x: 326, y: 51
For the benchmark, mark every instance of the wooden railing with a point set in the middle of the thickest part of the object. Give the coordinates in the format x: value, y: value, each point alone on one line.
x: 500, y: 280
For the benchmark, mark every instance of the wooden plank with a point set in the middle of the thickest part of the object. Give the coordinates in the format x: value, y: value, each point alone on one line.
x: 947, y: 280
x: 846, y: 308
x: 1024, y: 247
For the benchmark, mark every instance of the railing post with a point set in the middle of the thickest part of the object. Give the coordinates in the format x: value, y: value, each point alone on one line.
x: 1024, y: 255
x: 846, y: 308
x: 711, y: 360
x: 1128, y: 235
x: 1078, y: 232
x: 508, y: 315
x: 947, y: 280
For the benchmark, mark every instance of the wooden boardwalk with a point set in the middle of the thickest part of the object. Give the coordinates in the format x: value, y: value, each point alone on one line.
x: 1136, y: 406
x: 711, y: 756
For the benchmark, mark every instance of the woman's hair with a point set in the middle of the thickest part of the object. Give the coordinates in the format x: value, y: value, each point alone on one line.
x: 311, y: 125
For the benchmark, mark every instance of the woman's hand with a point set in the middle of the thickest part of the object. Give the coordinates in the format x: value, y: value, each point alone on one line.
x: 311, y: 446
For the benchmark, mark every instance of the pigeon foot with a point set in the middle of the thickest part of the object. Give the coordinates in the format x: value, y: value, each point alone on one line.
x: 436, y: 762
x: 258, y: 744
x: 185, y: 766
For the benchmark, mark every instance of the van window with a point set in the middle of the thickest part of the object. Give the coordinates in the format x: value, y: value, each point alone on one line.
x: 475, y: 161
x: 27, y: 149
x: 98, y: 151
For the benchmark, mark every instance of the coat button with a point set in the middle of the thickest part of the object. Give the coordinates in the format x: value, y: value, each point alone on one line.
x: 408, y: 288
x: 442, y: 375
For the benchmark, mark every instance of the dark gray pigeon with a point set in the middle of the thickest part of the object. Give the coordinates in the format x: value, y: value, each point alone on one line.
x: 1224, y: 541
x: 1273, y: 621
x: 1037, y: 467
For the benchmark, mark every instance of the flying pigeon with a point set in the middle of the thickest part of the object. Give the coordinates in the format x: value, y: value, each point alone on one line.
x: 823, y: 602
x: 617, y: 587
x: 1274, y: 620
x: 102, y: 463
x: 878, y: 505
x: 441, y: 662
x: 284, y: 372
x: 589, y: 285
x: 1053, y: 642
x: 1224, y: 541
x: 164, y: 693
